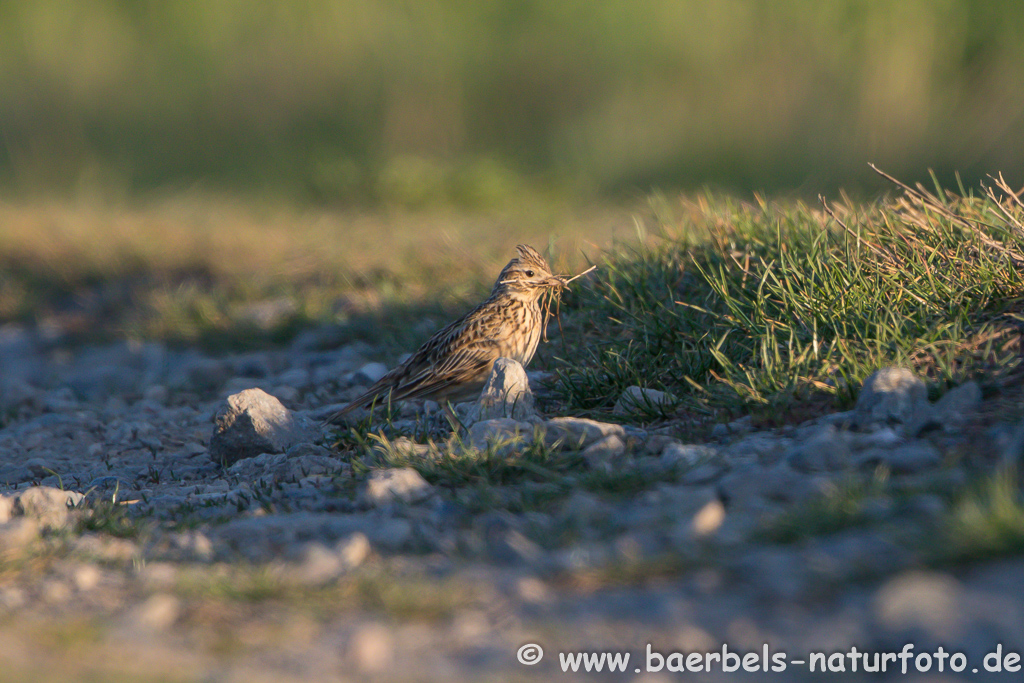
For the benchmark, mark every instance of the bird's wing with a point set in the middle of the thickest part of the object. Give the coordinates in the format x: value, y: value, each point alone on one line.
x: 465, y: 364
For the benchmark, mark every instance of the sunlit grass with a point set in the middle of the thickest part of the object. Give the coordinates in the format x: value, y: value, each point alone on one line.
x: 755, y: 305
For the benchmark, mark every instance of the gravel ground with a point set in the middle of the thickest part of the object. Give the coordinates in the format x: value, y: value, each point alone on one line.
x: 170, y: 516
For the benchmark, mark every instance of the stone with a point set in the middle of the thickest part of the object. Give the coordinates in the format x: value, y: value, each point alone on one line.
x: 757, y: 449
x: 703, y: 473
x: 906, y: 459
x: 824, y: 451
x: 780, y: 482
x: 157, y: 393
x: 959, y: 401
x: 158, y: 612
x: 17, y: 534
x: 506, y: 393
x: 301, y: 460
x: 891, y: 395
x: 600, y: 454
x: 321, y: 564
x: 295, y: 377
x: 505, y: 433
x: 577, y: 432
x: 641, y: 400
x: 253, y: 422
x: 657, y: 443
x: 930, y: 601
x: 50, y: 507
x: 950, y: 412
x: 687, y: 455
x: 396, y: 485
x: 371, y: 648
x: 369, y: 373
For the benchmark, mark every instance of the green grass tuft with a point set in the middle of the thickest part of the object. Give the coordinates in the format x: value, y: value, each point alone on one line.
x: 737, y: 306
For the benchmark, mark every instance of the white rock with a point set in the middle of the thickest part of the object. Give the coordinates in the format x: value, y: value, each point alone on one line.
x: 397, y: 485
x: 506, y: 393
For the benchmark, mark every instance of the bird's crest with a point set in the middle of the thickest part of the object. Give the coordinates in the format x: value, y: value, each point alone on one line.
x: 530, y: 256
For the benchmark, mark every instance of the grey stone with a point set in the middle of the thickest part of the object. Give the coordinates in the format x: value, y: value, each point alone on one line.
x: 16, y: 393
x: 703, y: 473
x: 687, y: 455
x: 254, y: 422
x: 907, y: 459
x: 506, y: 433
x: 777, y: 483
x: 950, y: 412
x: 301, y: 460
x: 578, y: 432
x: 370, y: 373
x: 757, y: 449
x: 891, y: 396
x: 827, y: 450
x: 506, y: 393
x: 657, y: 443
x: 157, y: 393
x: 959, y: 401
x: 397, y: 485
x: 639, y: 399
x: 600, y: 454
x: 295, y: 377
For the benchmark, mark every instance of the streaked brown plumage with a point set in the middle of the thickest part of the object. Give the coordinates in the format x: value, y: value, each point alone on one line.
x: 454, y: 364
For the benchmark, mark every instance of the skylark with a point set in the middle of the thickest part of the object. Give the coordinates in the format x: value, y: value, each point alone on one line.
x: 454, y: 364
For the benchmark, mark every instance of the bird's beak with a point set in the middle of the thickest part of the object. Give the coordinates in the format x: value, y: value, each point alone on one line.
x: 557, y: 282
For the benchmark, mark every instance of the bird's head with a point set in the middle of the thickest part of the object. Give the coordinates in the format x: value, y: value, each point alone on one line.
x: 527, y: 275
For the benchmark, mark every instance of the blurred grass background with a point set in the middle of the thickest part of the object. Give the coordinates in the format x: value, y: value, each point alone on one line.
x: 475, y: 103
x: 165, y: 167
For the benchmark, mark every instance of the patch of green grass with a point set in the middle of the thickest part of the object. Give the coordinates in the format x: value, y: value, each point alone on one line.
x: 740, y: 306
x: 988, y: 521
x: 510, y: 475
x: 842, y: 507
x: 408, y: 596
x: 111, y: 518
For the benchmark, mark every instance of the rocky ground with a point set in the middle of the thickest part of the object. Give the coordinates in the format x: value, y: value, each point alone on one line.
x: 171, y: 516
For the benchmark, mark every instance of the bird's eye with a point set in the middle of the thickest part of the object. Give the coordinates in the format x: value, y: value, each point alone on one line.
x: 529, y: 273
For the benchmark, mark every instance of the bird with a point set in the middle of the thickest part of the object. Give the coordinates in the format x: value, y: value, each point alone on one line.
x: 454, y: 364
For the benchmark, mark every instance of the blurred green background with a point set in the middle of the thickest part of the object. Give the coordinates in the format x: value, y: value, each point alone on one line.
x: 477, y: 102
